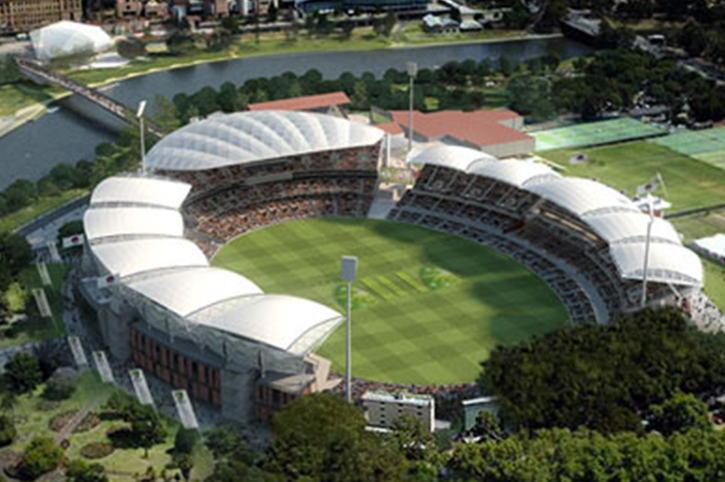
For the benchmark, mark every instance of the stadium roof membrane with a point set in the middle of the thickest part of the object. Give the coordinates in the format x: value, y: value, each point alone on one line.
x: 276, y: 320
x: 68, y: 38
x: 188, y: 290
x: 247, y: 137
x: 125, y: 221
x: 608, y: 212
x: 126, y: 258
x: 141, y: 190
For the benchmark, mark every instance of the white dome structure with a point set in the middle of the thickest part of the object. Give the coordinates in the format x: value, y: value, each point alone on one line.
x: 67, y: 38
x: 249, y: 137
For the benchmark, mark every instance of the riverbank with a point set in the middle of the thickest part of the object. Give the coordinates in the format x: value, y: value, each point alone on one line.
x: 245, y: 46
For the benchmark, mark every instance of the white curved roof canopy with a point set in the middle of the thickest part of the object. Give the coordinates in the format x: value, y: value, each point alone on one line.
x: 280, y: 321
x: 516, y: 173
x: 68, y: 38
x: 186, y: 291
x: 667, y: 263
x: 454, y: 157
x: 582, y: 196
x: 630, y: 226
x: 246, y: 137
x: 126, y: 258
x: 125, y: 221
x: 141, y: 190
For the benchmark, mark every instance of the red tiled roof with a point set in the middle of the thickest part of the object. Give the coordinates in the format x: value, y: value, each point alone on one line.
x: 390, y: 127
x: 481, y: 128
x: 303, y: 103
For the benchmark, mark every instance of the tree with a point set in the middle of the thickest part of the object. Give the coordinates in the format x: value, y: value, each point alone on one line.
x: 147, y: 428
x: 272, y: 12
x: 19, y: 194
x: 59, y: 387
x: 167, y: 116
x: 505, y: 66
x: 7, y: 430
x: 360, y: 99
x: 230, y: 24
x: 321, y: 437
x: 531, y: 96
x: 22, y: 372
x: 80, y: 471
x: 679, y: 413
x: 228, y: 98
x: 15, y: 256
x: 9, y: 72
x: 487, y: 426
x: 567, y: 378
x: 185, y: 440
x: 41, y: 456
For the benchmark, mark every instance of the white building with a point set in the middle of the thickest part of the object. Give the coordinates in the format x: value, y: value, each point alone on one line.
x: 383, y: 409
x: 66, y: 38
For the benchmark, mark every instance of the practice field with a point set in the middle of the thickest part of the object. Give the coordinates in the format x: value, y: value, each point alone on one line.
x: 594, y: 133
x: 690, y: 183
x: 428, y: 307
x: 707, y: 145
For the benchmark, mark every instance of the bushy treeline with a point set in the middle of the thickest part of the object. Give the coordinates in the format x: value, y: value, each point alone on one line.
x: 455, y: 85
x: 123, y: 155
x: 606, y: 377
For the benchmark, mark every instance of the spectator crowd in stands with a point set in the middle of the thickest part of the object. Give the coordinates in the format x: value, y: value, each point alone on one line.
x: 229, y: 201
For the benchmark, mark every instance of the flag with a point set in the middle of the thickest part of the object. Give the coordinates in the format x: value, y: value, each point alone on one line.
x: 75, y: 240
x: 578, y: 159
x: 108, y: 280
x: 649, y: 187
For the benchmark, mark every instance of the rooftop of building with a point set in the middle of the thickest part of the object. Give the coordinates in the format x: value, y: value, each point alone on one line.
x: 304, y: 103
x: 397, y: 397
x: 481, y: 128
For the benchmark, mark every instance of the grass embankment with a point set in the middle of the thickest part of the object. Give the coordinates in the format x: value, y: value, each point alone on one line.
x: 690, y: 183
x: 36, y: 328
x: 428, y: 306
x: 715, y: 282
x: 33, y: 415
x: 279, y: 43
x: 42, y: 206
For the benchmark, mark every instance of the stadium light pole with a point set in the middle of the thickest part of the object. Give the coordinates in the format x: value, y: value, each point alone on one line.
x: 139, y: 116
x: 650, y: 209
x: 412, y: 69
x: 349, y: 268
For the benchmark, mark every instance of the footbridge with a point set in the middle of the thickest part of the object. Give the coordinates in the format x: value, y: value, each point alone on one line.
x: 36, y: 71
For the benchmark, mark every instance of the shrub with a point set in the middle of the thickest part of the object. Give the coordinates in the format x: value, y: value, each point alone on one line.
x: 23, y: 373
x: 41, y: 456
x: 185, y: 440
x: 80, y: 471
x: 7, y: 430
x: 59, y: 387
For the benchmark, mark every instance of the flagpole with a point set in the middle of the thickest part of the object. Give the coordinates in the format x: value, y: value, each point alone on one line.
x: 643, y: 302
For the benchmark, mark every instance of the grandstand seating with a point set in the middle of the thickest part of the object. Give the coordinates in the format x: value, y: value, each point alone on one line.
x: 230, y: 201
x: 550, y: 241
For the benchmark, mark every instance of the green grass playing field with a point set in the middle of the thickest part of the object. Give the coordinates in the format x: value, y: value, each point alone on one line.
x: 690, y: 183
x: 428, y: 306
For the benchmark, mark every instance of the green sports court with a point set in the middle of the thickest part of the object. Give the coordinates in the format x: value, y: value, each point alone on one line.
x: 707, y: 145
x: 594, y: 133
x: 427, y: 306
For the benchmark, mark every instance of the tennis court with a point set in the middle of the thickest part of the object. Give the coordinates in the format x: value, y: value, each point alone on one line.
x: 707, y: 145
x: 594, y: 134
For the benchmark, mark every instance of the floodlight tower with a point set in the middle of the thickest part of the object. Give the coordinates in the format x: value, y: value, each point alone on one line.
x: 650, y: 209
x: 412, y: 69
x: 349, y: 268
x: 139, y: 116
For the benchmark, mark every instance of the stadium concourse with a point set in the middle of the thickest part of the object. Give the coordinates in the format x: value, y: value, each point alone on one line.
x: 218, y: 335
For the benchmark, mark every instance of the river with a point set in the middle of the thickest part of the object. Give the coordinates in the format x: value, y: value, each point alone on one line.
x: 32, y: 150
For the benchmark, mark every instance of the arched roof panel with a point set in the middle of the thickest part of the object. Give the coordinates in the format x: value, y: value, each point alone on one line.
x: 246, y: 137
x: 187, y: 290
x: 667, y: 263
x: 141, y: 190
x: 122, y: 221
x: 583, y: 196
x: 127, y: 258
x: 625, y: 226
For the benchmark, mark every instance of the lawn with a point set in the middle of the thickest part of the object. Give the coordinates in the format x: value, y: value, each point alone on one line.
x: 428, y: 307
x: 39, y: 207
x: 715, y: 282
x: 690, y: 183
x: 32, y: 415
x: 700, y: 226
x: 36, y: 328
